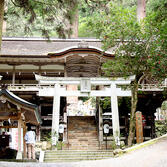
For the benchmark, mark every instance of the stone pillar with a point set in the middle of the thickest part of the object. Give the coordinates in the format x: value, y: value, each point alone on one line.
x: 55, y: 114
x: 115, y: 114
x: 19, y: 153
x: 139, y: 127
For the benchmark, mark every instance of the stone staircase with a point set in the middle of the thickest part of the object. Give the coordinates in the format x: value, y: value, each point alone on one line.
x: 82, y: 133
x: 75, y: 155
x: 82, y: 142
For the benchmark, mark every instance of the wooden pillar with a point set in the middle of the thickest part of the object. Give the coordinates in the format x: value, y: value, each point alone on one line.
x: 19, y: 153
x: 39, y: 70
x: 14, y: 75
x: 115, y: 115
x: 139, y: 127
x: 24, y: 143
x: 38, y: 137
x: 65, y: 127
x: 55, y: 115
x: 100, y: 125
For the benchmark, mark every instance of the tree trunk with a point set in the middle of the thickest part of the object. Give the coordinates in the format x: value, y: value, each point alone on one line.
x: 134, y: 100
x: 74, y: 21
x: 141, y: 9
x: 1, y: 19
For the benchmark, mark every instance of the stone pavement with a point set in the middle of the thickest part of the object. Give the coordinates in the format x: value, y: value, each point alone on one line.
x: 154, y: 155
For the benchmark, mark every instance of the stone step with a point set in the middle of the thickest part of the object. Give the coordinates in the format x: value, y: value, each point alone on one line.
x: 82, y: 138
x: 76, y: 155
x: 84, y: 145
x: 79, y: 134
x: 83, y: 142
x: 67, y: 156
x: 74, y: 159
x: 82, y: 133
x: 78, y: 152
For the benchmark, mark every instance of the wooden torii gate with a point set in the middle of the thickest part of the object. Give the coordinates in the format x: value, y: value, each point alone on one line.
x: 85, y: 90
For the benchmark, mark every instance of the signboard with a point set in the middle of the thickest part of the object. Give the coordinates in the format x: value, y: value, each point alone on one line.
x: 61, y: 128
x: 106, y: 128
x: 85, y: 85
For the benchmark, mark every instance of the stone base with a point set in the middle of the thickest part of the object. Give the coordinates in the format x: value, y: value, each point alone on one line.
x: 19, y: 155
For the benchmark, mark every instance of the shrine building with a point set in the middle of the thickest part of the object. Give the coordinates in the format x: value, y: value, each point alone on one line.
x: 55, y: 74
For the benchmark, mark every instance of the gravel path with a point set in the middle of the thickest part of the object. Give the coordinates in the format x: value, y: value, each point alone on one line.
x: 154, y: 155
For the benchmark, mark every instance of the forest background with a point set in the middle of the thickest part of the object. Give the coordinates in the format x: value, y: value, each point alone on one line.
x: 58, y: 18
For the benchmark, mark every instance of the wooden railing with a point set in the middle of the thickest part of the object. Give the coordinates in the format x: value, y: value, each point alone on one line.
x: 28, y: 87
x: 152, y: 87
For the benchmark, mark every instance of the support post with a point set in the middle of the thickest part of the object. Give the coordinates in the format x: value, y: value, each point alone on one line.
x: 24, y: 143
x: 19, y: 153
x: 65, y: 128
x: 115, y: 115
x: 55, y: 114
x: 14, y: 75
x: 100, y: 125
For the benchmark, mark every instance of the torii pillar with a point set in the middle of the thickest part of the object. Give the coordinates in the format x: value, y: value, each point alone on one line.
x: 115, y: 114
x: 55, y: 114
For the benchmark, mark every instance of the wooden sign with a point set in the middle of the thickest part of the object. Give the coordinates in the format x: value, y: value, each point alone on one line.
x: 139, y: 127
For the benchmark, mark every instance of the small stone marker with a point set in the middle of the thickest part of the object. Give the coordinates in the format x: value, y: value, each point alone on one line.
x: 139, y: 127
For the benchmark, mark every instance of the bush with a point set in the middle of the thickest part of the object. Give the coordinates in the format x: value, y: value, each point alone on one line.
x: 160, y: 128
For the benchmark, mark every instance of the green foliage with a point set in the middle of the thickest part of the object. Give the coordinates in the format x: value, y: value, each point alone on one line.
x: 41, y: 18
x: 137, y: 46
x: 84, y: 30
x: 106, y: 103
x: 160, y: 128
x: 53, y: 18
x: 122, y: 103
x: 113, y: 145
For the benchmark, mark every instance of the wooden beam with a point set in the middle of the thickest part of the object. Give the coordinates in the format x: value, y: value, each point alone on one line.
x: 11, y: 117
x: 79, y: 64
x: 8, y: 127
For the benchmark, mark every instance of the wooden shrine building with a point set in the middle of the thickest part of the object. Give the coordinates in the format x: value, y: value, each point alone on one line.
x: 81, y: 60
x: 15, y: 113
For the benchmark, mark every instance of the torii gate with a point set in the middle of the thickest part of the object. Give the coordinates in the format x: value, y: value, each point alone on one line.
x: 85, y: 84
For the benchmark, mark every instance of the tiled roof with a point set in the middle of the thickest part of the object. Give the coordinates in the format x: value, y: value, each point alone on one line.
x: 40, y: 46
x: 31, y: 110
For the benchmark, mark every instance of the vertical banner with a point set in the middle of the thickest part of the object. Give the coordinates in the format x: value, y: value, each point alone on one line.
x: 14, y: 135
x: 139, y: 127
